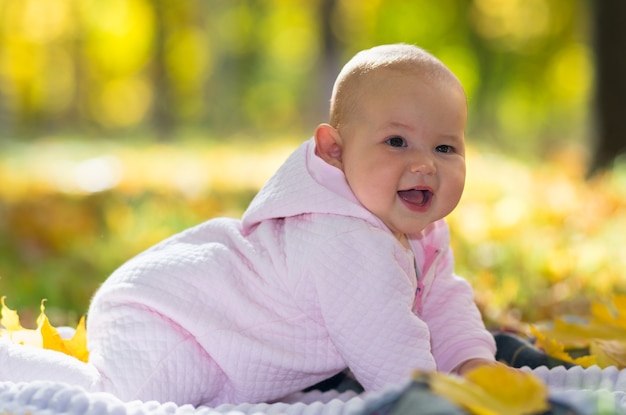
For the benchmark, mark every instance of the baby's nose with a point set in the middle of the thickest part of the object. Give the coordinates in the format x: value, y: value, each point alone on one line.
x: 422, y: 164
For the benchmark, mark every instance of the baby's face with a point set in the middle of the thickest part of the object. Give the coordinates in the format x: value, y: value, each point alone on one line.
x: 404, y: 149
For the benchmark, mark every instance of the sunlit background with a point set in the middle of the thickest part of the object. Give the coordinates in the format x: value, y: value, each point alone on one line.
x: 125, y: 121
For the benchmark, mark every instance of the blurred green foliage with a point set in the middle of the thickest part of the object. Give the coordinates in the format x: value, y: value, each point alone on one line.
x: 125, y: 121
x: 265, y: 66
x: 70, y: 213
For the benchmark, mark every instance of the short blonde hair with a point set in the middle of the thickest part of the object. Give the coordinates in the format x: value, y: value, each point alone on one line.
x: 349, y: 84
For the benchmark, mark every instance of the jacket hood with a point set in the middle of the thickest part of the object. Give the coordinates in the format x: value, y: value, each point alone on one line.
x: 305, y: 184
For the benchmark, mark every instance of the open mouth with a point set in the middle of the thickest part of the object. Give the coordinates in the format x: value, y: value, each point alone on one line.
x: 416, y: 197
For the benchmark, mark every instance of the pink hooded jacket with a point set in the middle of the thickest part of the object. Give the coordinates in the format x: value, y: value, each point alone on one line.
x: 307, y: 284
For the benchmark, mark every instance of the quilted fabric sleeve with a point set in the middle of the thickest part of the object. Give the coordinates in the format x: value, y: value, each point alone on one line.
x: 365, y: 289
x: 456, y: 327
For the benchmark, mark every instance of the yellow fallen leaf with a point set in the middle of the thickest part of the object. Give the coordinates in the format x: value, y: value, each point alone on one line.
x: 609, y: 353
x: 9, y: 318
x: 604, y: 333
x: 612, y: 315
x: 576, y: 332
x: 13, y: 331
x: 77, y: 345
x: 45, y: 336
x: 493, y: 390
x: 553, y: 348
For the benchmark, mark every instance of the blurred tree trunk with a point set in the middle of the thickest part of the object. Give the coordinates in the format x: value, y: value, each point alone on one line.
x: 610, y: 105
x: 162, y: 115
x: 329, y: 62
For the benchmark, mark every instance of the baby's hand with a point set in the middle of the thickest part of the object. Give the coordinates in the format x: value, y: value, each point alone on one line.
x: 472, y: 364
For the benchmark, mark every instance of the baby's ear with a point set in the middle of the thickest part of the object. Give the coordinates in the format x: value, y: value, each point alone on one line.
x: 328, y: 145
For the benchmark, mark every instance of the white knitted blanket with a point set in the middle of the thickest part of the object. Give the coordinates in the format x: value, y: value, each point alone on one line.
x: 589, y: 391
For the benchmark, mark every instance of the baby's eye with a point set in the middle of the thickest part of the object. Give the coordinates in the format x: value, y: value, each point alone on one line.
x: 444, y: 148
x: 396, y: 141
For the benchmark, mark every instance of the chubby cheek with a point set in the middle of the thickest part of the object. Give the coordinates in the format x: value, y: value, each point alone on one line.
x: 368, y: 175
x: 460, y: 178
x: 374, y: 191
x: 455, y: 188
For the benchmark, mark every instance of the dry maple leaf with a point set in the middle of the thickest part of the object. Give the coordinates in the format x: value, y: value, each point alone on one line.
x: 13, y: 331
x: 492, y: 390
x: 45, y: 335
x: 609, y: 352
x: 553, y: 348
x: 604, y: 332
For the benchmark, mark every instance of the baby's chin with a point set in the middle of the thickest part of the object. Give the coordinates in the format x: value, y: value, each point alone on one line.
x: 409, y: 231
x: 418, y: 227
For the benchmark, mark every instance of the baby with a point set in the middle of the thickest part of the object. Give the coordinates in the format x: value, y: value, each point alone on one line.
x: 341, y: 261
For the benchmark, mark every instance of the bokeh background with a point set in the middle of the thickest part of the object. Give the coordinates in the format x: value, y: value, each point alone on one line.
x: 125, y: 121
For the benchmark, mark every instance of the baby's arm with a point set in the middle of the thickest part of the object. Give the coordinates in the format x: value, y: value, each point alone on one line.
x: 472, y: 364
x: 457, y: 330
x: 365, y: 296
